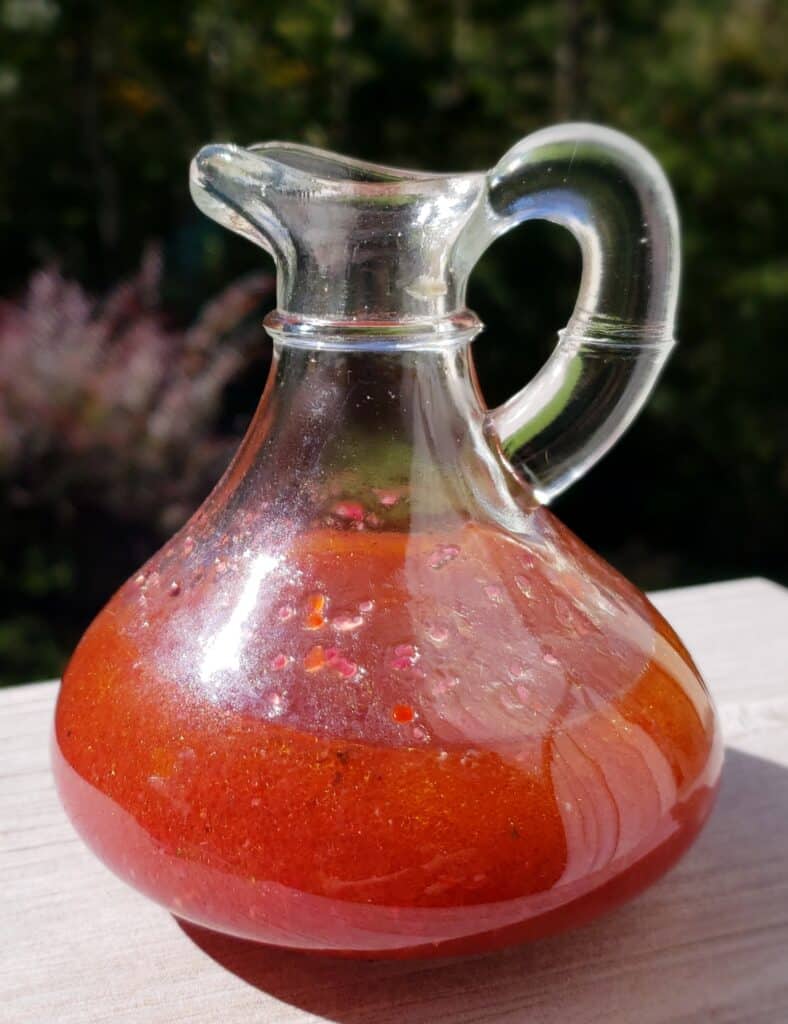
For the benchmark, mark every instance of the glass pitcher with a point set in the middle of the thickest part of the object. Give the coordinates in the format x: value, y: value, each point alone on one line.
x: 374, y: 699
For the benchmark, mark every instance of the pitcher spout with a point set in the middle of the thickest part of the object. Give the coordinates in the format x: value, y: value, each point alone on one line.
x: 234, y: 187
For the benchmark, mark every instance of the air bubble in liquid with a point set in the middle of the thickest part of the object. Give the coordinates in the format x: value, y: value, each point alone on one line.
x: 437, y: 634
x: 346, y: 623
x: 442, y: 555
x: 405, y: 656
x: 353, y: 511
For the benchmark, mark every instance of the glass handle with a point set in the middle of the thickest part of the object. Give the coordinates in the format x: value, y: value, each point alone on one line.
x: 614, y: 198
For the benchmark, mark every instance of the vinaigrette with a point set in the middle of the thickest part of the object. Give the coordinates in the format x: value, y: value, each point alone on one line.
x: 437, y: 744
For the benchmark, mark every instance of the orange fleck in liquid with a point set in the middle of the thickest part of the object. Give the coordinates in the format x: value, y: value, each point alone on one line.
x: 402, y: 713
x: 315, y: 659
x: 315, y: 604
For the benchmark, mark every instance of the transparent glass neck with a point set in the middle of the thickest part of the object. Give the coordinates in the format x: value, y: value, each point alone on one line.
x: 399, y: 433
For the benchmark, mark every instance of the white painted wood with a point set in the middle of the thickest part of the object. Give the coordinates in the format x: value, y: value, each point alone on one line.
x: 708, y: 943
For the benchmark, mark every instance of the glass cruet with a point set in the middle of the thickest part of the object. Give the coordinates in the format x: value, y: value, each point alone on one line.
x: 374, y: 699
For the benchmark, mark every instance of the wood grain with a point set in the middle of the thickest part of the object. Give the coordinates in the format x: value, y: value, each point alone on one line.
x: 708, y: 943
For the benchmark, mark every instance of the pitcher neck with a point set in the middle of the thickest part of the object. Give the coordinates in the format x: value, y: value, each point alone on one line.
x: 389, y: 334
x: 381, y: 434
x: 353, y: 242
x: 396, y: 384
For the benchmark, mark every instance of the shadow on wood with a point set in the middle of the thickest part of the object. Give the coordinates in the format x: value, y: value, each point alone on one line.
x: 660, y: 958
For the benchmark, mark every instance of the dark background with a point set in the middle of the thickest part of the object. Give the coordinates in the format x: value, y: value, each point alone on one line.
x: 131, y: 355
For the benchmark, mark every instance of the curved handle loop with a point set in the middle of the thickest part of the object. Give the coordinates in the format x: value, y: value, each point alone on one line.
x: 614, y: 198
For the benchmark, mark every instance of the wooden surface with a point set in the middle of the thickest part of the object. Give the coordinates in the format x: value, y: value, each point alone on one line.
x: 708, y: 943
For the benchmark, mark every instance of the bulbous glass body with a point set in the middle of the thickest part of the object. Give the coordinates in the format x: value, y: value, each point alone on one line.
x: 374, y: 699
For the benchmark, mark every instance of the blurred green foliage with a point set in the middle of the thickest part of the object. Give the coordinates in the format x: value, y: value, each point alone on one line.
x: 102, y: 105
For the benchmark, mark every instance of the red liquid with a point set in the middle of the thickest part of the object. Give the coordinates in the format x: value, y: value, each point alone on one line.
x: 385, y: 744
